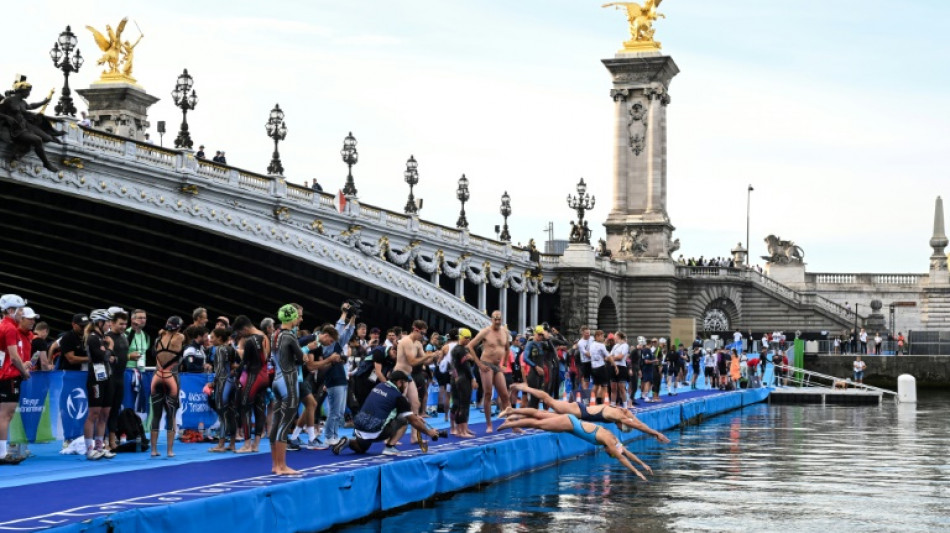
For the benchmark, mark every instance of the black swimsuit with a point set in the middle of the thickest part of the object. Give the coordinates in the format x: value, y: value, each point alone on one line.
x: 587, y: 417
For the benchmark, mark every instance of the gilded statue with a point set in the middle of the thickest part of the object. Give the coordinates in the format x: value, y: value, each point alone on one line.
x: 117, y: 55
x: 641, y: 20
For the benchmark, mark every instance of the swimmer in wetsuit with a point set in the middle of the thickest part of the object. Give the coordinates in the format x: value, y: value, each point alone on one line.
x: 165, y: 384
x: 624, y: 419
x: 289, y: 356
x: 253, y: 349
x: 592, y: 433
x: 226, y: 365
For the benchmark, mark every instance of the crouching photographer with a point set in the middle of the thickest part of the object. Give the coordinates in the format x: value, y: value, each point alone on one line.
x: 385, y: 417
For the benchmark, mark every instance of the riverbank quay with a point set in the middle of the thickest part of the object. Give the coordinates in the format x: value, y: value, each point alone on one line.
x: 197, y: 491
x: 930, y: 371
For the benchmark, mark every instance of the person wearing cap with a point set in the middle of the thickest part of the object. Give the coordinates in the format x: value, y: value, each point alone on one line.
x: 72, y: 351
x: 463, y: 360
x: 288, y: 356
x: 98, y: 383
x: 13, y: 369
x: 536, y: 355
x: 165, y: 383
x: 120, y: 351
x: 384, y: 417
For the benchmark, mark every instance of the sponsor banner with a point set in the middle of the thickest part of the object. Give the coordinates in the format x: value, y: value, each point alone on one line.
x: 69, y: 391
x: 194, y: 411
x: 32, y: 402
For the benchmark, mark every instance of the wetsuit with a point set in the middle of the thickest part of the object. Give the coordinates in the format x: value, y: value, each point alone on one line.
x: 225, y: 386
x: 100, y: 392
x: 289, y: 355
x: 462, y: 388
x: 165, y: 385
x: 254, y: 385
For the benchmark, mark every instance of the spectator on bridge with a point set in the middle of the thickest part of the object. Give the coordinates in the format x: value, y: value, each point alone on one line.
x: 900, y: 343
x: 863, y: 336
x: 201, y: 152
x: 859, y: 367
x: 852, y: 342
x: 85, y: 122
x: 877, y: 342
x: 316, y: 186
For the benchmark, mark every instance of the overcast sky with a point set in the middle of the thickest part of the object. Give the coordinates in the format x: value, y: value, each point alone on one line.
x: 836, y: 112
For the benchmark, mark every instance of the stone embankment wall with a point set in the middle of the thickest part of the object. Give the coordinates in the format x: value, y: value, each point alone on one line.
x: 931, y: 371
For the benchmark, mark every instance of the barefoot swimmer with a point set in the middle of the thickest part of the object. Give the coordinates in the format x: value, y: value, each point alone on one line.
x: 624, y: 419
x: 592, y: 433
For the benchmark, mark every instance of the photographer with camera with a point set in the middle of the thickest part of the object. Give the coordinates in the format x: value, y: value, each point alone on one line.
x: 334, y: 377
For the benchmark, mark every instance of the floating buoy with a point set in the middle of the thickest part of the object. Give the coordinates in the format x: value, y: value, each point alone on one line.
x: 906, y: 389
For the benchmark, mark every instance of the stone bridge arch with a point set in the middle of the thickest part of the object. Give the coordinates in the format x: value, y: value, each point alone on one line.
x: 718, y: 298
x: 608, y: 319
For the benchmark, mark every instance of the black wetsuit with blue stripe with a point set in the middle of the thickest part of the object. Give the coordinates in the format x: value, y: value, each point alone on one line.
x: 289, y: 355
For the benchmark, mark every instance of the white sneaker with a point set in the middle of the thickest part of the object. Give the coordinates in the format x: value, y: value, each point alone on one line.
x: 94, y: 455
x: 391, y: 450
x: 332, y: 442
x: 108, y: 454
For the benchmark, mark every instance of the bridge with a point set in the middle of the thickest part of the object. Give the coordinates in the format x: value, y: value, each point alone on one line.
x: 128, y: 223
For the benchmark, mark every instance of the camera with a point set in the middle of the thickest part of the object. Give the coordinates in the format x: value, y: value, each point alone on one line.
x: 352, y: 307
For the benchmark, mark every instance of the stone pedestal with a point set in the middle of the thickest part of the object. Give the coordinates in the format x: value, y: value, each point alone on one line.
x: 579, y: 255
x: 640, y: 84
x: 119, y: 108
x: 791, y: 274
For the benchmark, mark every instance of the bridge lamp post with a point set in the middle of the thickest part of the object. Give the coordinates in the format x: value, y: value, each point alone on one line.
x: 277, y: 130
x: 582, y: 202
x: 505, y: 212
x: 350, y: 157
x: 748, y: 210
x: 185, y: 102
x: 65, y: 60
x: 462, y: 194
x: 412, y: 178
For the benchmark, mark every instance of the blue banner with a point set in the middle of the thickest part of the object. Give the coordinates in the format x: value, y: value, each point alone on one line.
x: 73, y: 402
x: 194, y: 408
x: 32, y: 399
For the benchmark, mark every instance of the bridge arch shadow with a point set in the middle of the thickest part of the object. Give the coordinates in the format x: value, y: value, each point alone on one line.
x: 607, y: 317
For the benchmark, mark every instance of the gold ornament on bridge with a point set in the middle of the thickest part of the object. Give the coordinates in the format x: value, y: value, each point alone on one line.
x: 118, y: 55
x: 641, y: 20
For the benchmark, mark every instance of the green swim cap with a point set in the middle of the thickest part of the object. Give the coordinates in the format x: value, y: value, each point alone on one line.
x: 287, y: 314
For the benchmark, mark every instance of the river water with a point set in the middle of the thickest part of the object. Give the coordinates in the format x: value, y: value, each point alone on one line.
x: 764, y: 468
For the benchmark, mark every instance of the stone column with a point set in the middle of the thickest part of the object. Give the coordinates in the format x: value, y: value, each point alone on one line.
x: 435, y: 277
x: 522, y: 311
x: 533, y: 317
x: 460, y: 287
x: 939, y: 275
x: 503, y: 303
x: 119, y: 108
x: 640, y: 90
x: 481, y: 296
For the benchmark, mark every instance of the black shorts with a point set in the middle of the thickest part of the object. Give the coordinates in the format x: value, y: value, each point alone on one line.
x: 442, y: 378
x: 620, y: 376
x: 10, y: 390
x: 359, y: 445
x: 99, y: 393
x: 709, y: 371
x: 586, y: 371
x: 600, y: 375
x: 305, y: 389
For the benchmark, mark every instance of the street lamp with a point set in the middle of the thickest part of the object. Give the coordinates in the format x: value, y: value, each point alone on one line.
x: 582, y: 202
x: 277, y: 130
x: 65, y: 60
x: 748, y: 203
x: 185, y: 102
x: 412, y: 178
x: 505, y: 212
x: 350, y: 157
x: 462, y: 194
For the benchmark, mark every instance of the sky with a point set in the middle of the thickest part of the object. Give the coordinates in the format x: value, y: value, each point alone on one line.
x: 835, y: 112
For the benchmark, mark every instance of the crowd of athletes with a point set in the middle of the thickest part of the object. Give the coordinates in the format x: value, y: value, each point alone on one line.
x: 299, y: 387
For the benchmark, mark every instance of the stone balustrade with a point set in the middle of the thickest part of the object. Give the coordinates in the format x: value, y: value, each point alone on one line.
x: 818, y: 279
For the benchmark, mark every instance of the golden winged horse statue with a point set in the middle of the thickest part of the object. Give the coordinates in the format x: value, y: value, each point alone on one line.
x: 111, y: 46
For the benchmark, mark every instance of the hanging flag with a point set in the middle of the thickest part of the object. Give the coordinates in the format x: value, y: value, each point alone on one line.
x: 341, y: 200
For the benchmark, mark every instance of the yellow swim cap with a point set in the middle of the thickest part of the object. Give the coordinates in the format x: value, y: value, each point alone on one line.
x: 465, y: 333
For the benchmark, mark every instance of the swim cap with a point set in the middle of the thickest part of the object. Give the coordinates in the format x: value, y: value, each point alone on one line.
x: 465, y: 333
x: 287, y: 314
x: 539, y: 329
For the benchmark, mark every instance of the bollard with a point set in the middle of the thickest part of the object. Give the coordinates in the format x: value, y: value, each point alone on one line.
x: 906, y: 389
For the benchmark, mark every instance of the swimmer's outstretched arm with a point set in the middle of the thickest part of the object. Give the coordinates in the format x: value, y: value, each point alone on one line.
x: 635, y: 423
x: 623, y: 460
x: 645, y: 466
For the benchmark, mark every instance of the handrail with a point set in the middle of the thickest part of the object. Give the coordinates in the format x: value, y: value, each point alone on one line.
x: 811, y: 373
